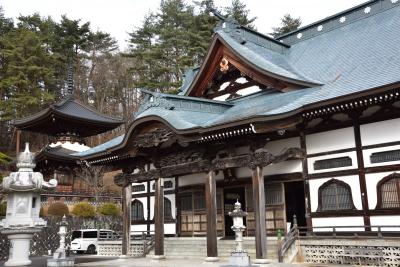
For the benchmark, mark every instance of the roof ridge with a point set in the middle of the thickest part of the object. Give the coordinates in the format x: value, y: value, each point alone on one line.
x: 92, y: 109
x: 338, y: 20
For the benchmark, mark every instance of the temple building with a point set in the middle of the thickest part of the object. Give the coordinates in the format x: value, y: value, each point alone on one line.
x: 67, y: 122
x: 306, y: 124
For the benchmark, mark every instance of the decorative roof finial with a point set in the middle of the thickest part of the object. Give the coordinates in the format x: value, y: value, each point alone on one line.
x: 70, y: 79
x: 218, y: 15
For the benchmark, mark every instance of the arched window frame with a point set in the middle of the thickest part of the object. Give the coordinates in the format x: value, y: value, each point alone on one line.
x: 140, y: 206
x: 379, y: 189
x: 326, y: 184
x: 167, y: 209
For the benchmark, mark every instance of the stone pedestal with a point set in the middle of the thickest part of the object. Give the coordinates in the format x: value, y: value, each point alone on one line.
x: 239, y: 259
x: 22, y: 220
x: 65, y: 262
x: 19, y: 249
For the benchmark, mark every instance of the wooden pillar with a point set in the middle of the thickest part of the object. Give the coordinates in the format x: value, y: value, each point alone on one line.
x: 305, y: 179
x: 126, y: 220
x: 211, y: 206
x: 159, y: 219
x: 361, y: 174
x: 259, y: 215
x: 18, y: 143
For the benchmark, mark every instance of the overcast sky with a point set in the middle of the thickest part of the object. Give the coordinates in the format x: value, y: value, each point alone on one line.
x: 118, y: 17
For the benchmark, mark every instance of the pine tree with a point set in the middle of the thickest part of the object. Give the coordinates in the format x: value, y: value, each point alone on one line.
x: 174, y: 39
x: 288, y: 24
x: 27, y: 77
x: 240, y: 13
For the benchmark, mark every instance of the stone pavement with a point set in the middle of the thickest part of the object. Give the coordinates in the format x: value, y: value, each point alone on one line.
x: 148, y: 262
x: 42, y: 261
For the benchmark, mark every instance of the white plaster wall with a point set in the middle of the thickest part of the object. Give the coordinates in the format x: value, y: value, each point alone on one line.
x: 171, y: 197
x: 338, y: 221
x: 352, y: 181
x: 144, y: 202
x: 135, y: 228
x: 165, y: 179
x: 243, y: 172
x: 330, y: 140
x: 367, y: 156
x: 278, y: 146
x: 283, y: 167
x: 352, y: 155
x: 169, y: 228
x: 386, y: 220
x: 197, y: 178
x: 380, y: 132
x: 371, y: 180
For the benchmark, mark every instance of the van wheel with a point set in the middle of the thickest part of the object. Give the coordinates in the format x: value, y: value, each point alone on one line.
x: 91, y: 249
x: 79, y: 252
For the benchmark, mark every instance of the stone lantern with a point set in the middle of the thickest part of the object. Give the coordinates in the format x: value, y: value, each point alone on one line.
x: 59, y: 257
x: 23, y: 206
x: 239, y: 256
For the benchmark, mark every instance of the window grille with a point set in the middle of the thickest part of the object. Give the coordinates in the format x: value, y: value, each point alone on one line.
x: 385, y: 156
x: 199, y: 201
x: 186, y: 202
x: 335, y: 195
x: 138, y: 188
x: 167, y: 184
x: 332, y: 163
x: 273, y: 195
x: 389, y: 192
x: 167, y: 209
x: 137, y: 210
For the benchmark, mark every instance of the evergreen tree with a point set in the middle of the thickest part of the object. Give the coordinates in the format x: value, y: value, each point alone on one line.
x: 174, y: 39
x: 27, y: 80
x: 288, y: 24
x: 240, y: 13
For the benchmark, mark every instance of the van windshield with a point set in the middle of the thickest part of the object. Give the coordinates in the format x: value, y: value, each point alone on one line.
x: 76, y: 234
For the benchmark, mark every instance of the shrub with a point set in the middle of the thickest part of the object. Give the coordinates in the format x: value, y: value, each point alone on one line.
x: 84, y: 209
x: 58, y: 209
x: 109, y: 209
x: 3, y: 209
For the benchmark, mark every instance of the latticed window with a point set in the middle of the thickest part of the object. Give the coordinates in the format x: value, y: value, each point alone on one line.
x: 167, y: 209
x: 137, y: 210
x: 389, y: 191
x: 335, y: 195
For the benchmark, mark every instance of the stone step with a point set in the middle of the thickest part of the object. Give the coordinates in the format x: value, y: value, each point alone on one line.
x: 196, y: 247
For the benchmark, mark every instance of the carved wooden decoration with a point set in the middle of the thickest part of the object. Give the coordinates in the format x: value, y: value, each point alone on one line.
x: 153, y: 138
x: 197, y: 162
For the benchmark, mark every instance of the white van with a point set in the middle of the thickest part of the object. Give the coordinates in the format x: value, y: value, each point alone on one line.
x: 85, y: 240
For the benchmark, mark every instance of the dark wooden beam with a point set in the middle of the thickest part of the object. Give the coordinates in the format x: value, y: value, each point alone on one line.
x: 260, y: 157
x: 159, y: 219
x: 211, y: 206
x: 361, y: 173
x: 126, y: 220
x: 304, y: 164
x: 259, y: 214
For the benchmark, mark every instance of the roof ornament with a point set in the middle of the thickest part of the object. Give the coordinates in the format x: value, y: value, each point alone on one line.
x: 226, y: 23
x: 70, y: 79
x: 154, y: 99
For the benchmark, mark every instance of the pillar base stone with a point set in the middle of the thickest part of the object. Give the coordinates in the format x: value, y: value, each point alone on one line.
x: 124, y: 257
x: 262, y: 261
x: 158, y: 257
x: 211, y: 259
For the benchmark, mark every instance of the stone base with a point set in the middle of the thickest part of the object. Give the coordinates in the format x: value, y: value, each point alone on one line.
x: 18, y: 263
x: 262, y: 261
x: 211, y: 259
x: 158, y: 257
x: 66, y: 262
x: 239, y: 259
